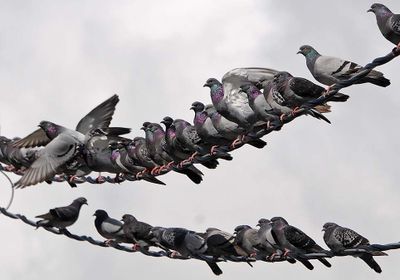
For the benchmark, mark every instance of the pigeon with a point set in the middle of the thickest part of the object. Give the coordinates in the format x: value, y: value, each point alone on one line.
x: 277, y: 103
x: 62, y: 145
x: 297, y: 91
x: 266, y: 239
x: 329, y: 70
x: 155, y: 142
x: 247, y: 239
x: 204, y: 126
x: 138, y: 152
x: 340, y: 238
x: 51, y: 160
x: 187, y: 243
x: 120, y: 158
x: 177, y: 151
x: 99, y: 144
x: 62, y: 217
x: 99, y: 117
x: 388, y: 23
x: 189, y: 139
x: 293, y: 240
x: 137, y: 232
x: 221, y: 243
x: 17, y: 159
x: 230, y: 130
x: 109, y: 228
x: 263, y: 110
x: 227, y: 98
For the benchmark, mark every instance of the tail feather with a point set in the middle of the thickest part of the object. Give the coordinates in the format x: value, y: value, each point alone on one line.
x: 153, y: 180
x: 307, y: 264
x: 318, y: 115
x: 339, y: 97
x: 215, y: 268
x: 325, y: 262
x: 257, y: 143
x: 376, y: 78
x: 192, y: 175
x: 369, y: 260
x: 211, y: 164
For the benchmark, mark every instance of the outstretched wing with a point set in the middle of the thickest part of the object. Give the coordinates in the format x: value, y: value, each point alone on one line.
x: 55, y: 154
x: 99, y: 117
x: 37, y: 138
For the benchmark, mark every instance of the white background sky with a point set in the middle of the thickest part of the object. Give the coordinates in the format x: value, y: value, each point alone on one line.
x: 59, y: 59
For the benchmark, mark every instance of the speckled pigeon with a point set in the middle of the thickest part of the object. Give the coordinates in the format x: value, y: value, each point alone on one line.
x: 388, y: 23
x: 293, y: 240
x: 340, y: 238
x: 62, y: 217
x: 109, y: 228
x: 186, y: 242
x: 329, y: 70
x: 297, y: 91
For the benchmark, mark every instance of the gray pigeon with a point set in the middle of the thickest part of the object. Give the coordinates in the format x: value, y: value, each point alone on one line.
x: 178, y: 152
x: 263, y: 110
x: 293, y: 240
x: 229, y: 101
x: 297, y: 91
x: 109, y: 228
x: 231, y: 130
x: 187, y: 243
x: 266, y: 239
x: 247, y: 238
x: 221, y: 243
x: 99, y: 117
x: 156, y: 145
x: 339, y: 238
x: 51, y: 160
x: 329, y: 70
x: 62, y: 217
x: 139, y: 233
x: 388, y: 23
x: 17, y: 159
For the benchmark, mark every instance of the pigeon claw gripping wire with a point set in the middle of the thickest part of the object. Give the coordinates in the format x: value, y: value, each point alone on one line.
x: 295, y: 111
x: 212, y: 150
x: 282, y: 117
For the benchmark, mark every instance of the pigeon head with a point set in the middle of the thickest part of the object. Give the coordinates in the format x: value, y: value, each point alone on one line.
x: 197, y: 106
x: 145, y: 125
x: 241, y: 227
x: 4, y: 140
x: 307, y: 50
x: 167, y: 121
x: 100, y: 214
x: 211, y: 82
x: 280, y: 79
x: 379, y: 9
x: 127, y: 218
x: 263, y: 221
x: 80, y: 201
x: 51, y: 129
x: 279, y: 220
x: 327, y: 226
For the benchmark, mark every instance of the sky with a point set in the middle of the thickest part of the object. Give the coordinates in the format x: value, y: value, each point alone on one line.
x: 59, y: 59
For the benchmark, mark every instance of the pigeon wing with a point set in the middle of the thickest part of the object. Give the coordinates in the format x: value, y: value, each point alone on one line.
x: 37, y: 138
x: 99, y: 117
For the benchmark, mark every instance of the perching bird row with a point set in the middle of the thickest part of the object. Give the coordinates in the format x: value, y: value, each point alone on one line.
x: 247, y: 104
x: 274, y: 240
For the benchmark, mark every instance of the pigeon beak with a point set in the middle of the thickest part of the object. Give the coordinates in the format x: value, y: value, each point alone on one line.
x: 323, y: 229
x: 86, y: 203
x: 299, y: 52
x: 206, y: 85
x: 370, y: 10
x: 142, y: 128
x: 258, y: 225
x: 192, y: 108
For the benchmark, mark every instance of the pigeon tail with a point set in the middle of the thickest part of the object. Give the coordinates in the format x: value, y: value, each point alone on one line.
x: 369, y: 260
x: 210, y: 164
x: 325, y: 262
x: 215, y: 268
x: 314, y: 113
x: 378, y: 81
x: 257, y: 143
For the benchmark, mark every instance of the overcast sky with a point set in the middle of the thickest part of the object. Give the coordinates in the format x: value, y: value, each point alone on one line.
x: 59, y: 59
